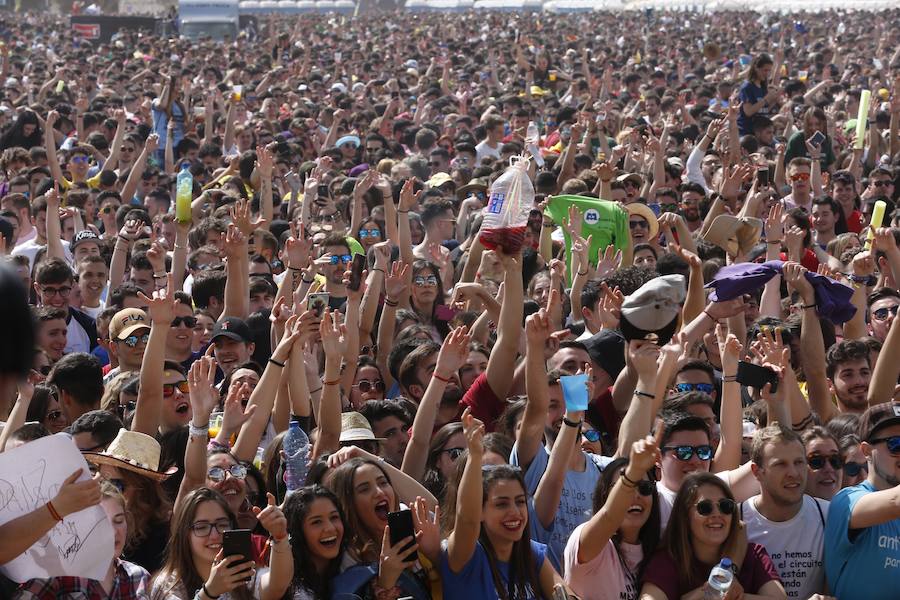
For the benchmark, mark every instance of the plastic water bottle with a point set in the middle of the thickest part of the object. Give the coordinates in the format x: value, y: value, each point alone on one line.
x: 508, y: 208
x: 183, y: 195
x: 531, y: 135
x: 720, y: 579
x: 296, y: 452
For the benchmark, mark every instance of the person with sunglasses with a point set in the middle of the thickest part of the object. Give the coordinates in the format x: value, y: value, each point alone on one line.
x: 368, y: 383
x: 826, y: 466
x: 800, y: 173
x: 605, y: 557
x: 856, y: 469
x: 863, y: 521
x: 703, y: 530
x: 129, y: 332
x: 785, y: 519
x: 883, y: 305
x: 337, y: 249
x: 179, y: 341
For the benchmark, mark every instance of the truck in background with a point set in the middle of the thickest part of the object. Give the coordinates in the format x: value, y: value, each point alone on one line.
x: 218, y: 19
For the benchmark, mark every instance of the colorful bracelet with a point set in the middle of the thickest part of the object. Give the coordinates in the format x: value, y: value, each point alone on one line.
x: 439, y: 378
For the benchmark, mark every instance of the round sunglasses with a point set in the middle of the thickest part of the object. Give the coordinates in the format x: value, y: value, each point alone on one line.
x: 706, y: 507
x: 817, y: 462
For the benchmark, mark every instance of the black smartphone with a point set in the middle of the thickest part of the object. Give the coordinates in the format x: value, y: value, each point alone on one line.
x: 401, y: 526
x: 762, y: 178
x: 322, y: 191
x: 318, y: 303
x: 817, y: 138
x: 236, y: 542
x: 356, y: 270
x: 756, y: 376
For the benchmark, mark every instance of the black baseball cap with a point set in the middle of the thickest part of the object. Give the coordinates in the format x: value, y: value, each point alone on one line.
x: 234, y: 329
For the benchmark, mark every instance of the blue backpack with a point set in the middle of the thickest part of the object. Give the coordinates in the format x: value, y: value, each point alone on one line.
x: 352, y: 584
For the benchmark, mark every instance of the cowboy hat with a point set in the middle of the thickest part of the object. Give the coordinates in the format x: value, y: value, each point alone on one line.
x: 133, y: 451
x: 645, y: 212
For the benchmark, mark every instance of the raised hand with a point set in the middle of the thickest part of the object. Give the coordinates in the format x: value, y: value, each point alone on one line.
x: 473, y: 429
x: 609, y: 309
x: 428, y: 528
x: 264, y: 162
x: 396, y: 284
x: 161, y: 307
x: 272, y: 518
x: 334, y: 341
x: 240, y: 216
x: 643, y: 357
x: 203, y: 396
x: 74, y: 496
x: 795, y: 276
x: 409, y: 199
x: 730, y: 349
x: 453, y: 353
x: 537, y: 328
x: 235, y: 242
x: 644, y: 454
x: 234, y: 415
x: 775, y: 223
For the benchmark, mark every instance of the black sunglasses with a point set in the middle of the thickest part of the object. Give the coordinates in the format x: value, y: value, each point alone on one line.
x: 189, y: 322
x: 853, y: 469
x: 818, y: 462
x: 725, y: 505
x: 892, y: 442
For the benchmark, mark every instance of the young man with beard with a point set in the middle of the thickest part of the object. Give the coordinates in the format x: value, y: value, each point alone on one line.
x: 849, y: 374
x: 79, y: 379
x: 337, y: 248
x: 692, y: 195
x: 542, y: 422
x: 864, y: 520
x: 416, y: 374
x: 788, y: 522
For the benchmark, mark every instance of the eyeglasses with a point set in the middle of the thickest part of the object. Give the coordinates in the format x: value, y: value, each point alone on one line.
x: 204, y: 528
x: 62, y: 291
x: 668, y: 207
x: 218, y: 474
x: 364, y: 233
x: 54, y: 415
x: 852, y: 469
x: 80, y: 160
x: 169, y: 388
x: 881, y: 183
x: 882, y: 313
x: 642, y: 224
x: 800, y: 177
x: 706, y: 388
x: 108, y: 210
x: 372, y: 149
x: 345, y: 258
x: 423, y: 280
x: 454, y: 453
x: 133, y: 340
x: 591, y: 435
x: 893, y: 444
x: 365, y: 386
x: 189, y: 322
x: 725, y: 506
x: 684, y: 453
x: 125, y: 149
x: 817, y: 462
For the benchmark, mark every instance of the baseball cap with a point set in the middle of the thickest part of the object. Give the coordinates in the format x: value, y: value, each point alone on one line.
x: 653, y: 309
x: 439, y: 179
x: 878, y: 417
x: 606, y: 349
x: 127, y: 321
x: 234, y: 329
x: 85, y: 235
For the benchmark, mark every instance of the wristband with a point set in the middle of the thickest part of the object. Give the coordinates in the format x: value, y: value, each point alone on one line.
x: 403, y: 212
x: 391, y: 303
x: 318, y: 389
x: 581, y: 274
x: 290, y: 268
x: 805, y: 306
x: 627, y: 481
x: 208, y: 595
x: 53, y: 511
x: 868, y: 280
x: 335, y: 382
x: 644, y: 395
x: 277, y: 363
x: 382, y: 270
x: 571, y: 423
x: 198, y: 431
x: 307, y: 281
x: 712, y: 318
x: 123, y: 238
x: 773, y: 241
x: 729, y: 378
x: 182, y: 247
x: 439, y: 378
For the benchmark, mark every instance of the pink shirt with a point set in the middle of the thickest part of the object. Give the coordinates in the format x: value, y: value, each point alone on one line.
x: 609, y: 576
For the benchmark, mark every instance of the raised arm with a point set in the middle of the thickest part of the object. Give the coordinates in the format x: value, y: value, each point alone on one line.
x: 204, y: 398
x: 50, y: 146
x: 329, y: 417
x: 502, y: 361
x: 137, y: 169
x: 264, y: 167
x: 408, y: 201
x: 263, y: 396
x: 237, y: 293
x: 728, y: 454
x: 645, y: 360
x: 467, y: 527
x: 595, y: 535
x: 549, y: 489
x: 54, y: 227
x: 531, y: 433
x: 451, y: 357
x: 161, y: 310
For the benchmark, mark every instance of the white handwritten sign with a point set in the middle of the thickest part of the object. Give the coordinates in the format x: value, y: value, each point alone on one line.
x: 80, y: 545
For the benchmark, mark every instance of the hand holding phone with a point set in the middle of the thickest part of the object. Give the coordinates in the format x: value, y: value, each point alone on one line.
x: 356, y: 271
x: 756, y: 376
x: 817, y: 138
x: 401, y: 527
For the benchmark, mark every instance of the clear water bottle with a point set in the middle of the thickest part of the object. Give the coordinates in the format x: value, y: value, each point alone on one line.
x: 184, y: 194
x: 532, y: 133
x: 296, y: 455
x: 720, y: 579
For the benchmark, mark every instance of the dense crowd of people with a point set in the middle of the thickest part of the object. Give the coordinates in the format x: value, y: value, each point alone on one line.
x: 692, y: 355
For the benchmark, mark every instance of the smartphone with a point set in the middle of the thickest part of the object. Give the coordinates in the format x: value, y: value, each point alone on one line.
x: 762, y: 178
x: 318, y: 303
x: 756, y: 376
x: 356, y: 270
x: 236, y: 542
x: 817, y: 138
x: 401, y: 525
x: 442, y: 312
x: 322, y: 191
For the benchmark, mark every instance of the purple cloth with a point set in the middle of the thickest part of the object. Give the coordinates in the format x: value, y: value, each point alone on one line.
x: 359, y: 170
x: 832, y: 297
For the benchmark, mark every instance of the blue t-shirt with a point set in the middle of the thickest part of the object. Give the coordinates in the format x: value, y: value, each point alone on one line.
x: 576, y: 504
x: 475, y: 579
x: 863, y: 563
x: 750, y: 93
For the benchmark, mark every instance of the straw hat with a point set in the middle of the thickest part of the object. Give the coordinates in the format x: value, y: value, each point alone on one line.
x: 734, y: 235
x: 133, y: 451
x: 355, y: 427
x: 645, y: 212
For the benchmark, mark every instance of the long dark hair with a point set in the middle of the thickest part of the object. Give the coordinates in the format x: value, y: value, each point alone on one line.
x: 179, y: 565
x: 417, y: 267
x: 363, y: 545
x: 15, y: 135
x: 434, y: 480
x: 677, y: 539
x: 650, y: 532
x: 758, y: 63
x: 296, y: 508
x: 523, y: 576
